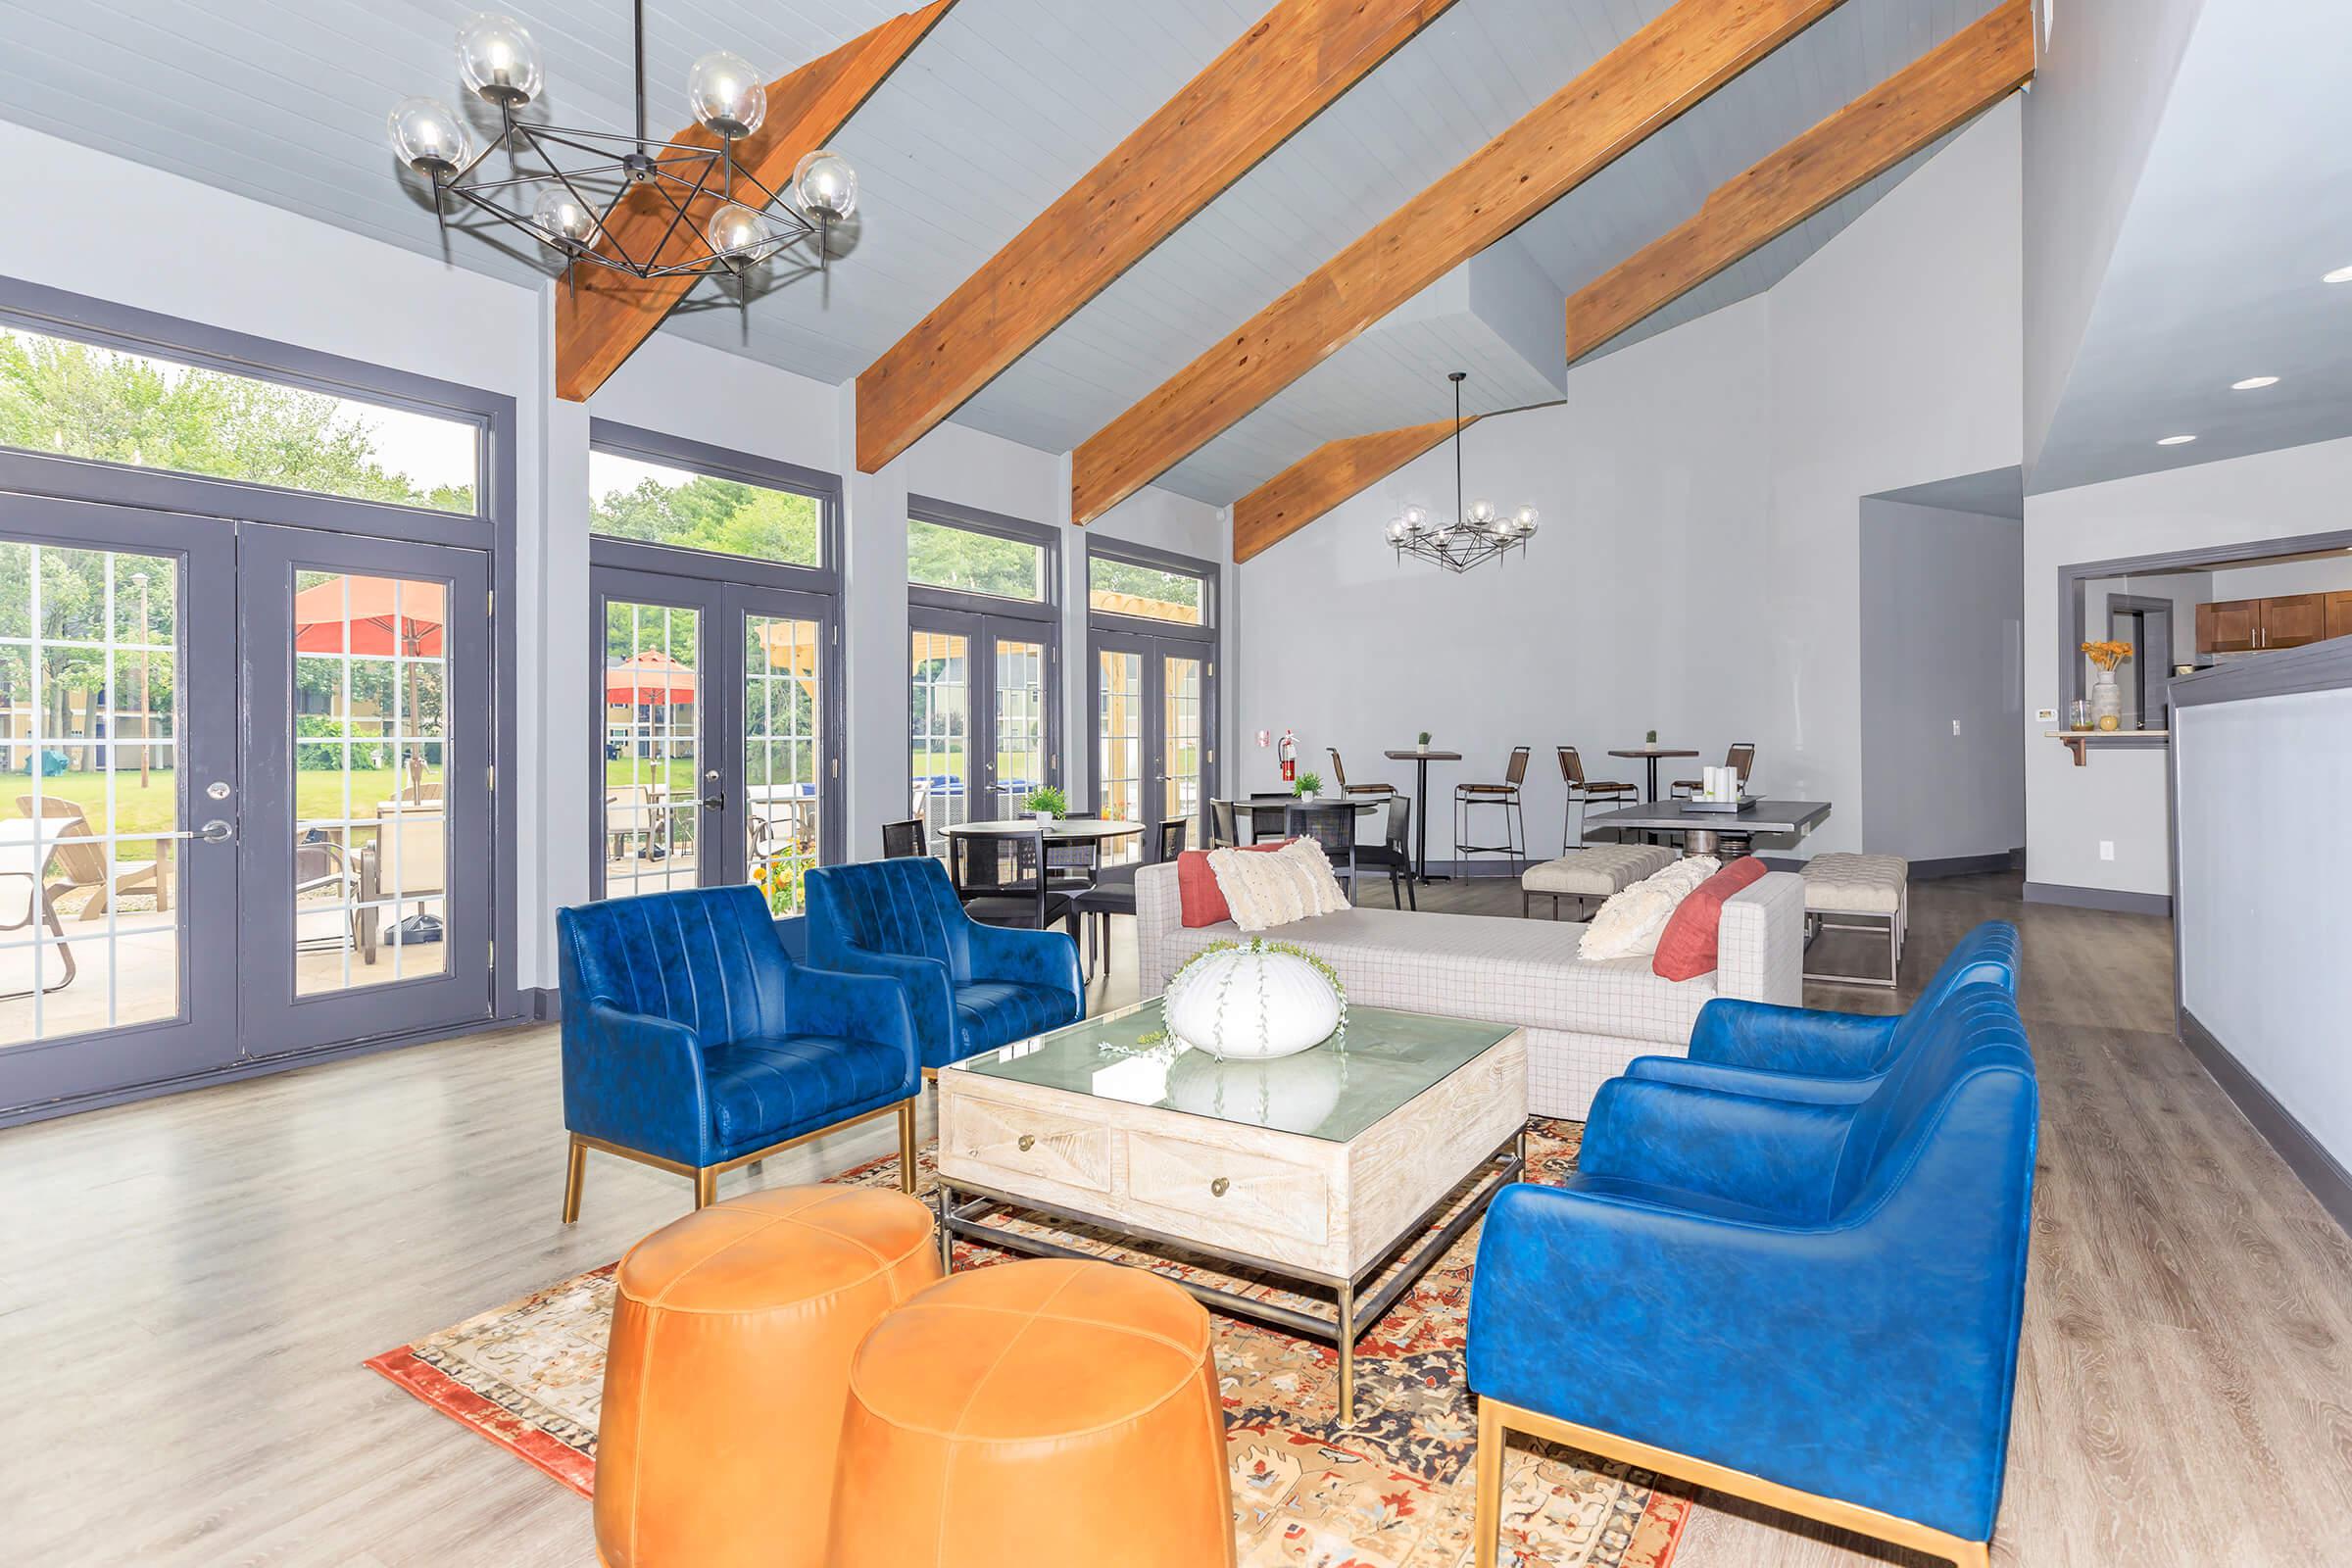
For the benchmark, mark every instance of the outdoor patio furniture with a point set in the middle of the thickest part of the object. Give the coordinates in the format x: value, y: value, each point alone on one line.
x: 408, y: 860
x: 80, y: 858
x: 630, y: 813
x: 325, y: 892
x: 26, y: 845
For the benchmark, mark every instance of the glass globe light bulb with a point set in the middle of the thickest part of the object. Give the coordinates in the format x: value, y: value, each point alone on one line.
x: 562, y: 219
x: 737, y: 228
x: 826, y: 184
x: 1525, y: 518
x: 428, y: 136
x: 1416, y: 519
x: 1482, y: 512
x: 1399, y: 531
x: 726, y: 94
x: 1505, y: 527
x: 498, y: 59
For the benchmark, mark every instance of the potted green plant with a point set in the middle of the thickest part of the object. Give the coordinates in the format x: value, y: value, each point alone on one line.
x: 1046, y: 803
x: 1651, y: 738
x: 1424, y: 740
x: 1307, y: 786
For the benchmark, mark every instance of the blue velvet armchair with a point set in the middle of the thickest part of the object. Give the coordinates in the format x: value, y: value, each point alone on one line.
x: 1755, y: 1048
x: 969, y: 987
x: 1814, y: 1306
x: 692, y: 1042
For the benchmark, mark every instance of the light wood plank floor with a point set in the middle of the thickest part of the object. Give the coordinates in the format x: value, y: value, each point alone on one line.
x: 189, y: 1286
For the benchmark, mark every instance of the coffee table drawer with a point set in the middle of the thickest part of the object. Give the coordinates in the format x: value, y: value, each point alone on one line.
x: 1026, y: 1143
x: 1228, y: 1186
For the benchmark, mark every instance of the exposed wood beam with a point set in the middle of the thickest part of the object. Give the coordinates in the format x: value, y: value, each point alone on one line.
x: 1326, y: 476
x: 1293, y: 62
x: 603, y: 316
x: 1671, y: 65
x: 1976, y: 69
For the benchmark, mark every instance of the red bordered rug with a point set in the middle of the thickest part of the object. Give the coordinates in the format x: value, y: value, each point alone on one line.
x: 1393, y: 1490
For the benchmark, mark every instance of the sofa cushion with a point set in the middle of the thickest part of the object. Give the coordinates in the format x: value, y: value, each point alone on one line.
x: 1855, y: 884
x: 1202, y: 902
x: 1687, y: 947
x: 1629, y: 924
x: 1264, y: 891
x: 996, y: 1012
x: 1597, y: 870
x: 765, y: 1090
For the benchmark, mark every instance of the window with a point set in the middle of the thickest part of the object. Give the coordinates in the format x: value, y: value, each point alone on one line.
x: 967, y: 561
x: 656, y: 503
x: 1118, y: 587
x: 81, y: 400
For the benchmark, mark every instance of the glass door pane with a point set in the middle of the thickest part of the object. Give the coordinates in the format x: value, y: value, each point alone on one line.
x: 1022, y: 763
x: 940, y: 719
x: 90, y: 917
x: 653, y: 746
x: 783, y: 753
x: 1180, y: 748
x: 1119, y: 713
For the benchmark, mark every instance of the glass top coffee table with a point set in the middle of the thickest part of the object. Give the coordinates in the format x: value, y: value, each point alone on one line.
x: 1348, y: 1168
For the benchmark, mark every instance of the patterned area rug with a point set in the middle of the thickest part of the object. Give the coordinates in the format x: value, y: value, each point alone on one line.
x: 1391, y: 1491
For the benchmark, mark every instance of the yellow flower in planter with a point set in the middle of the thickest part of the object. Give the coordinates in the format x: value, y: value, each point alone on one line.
x: 2108, y: 654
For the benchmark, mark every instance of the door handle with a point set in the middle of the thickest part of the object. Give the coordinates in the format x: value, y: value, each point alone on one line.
x: 217, y: 832
x: 714, y: 802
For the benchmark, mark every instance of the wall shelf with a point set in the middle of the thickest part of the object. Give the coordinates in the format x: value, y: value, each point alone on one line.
x: 2081, y: 741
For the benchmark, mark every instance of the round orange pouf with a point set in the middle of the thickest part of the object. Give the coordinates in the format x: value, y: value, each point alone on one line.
x: 732, y: 1334
x: 1032, y: 1414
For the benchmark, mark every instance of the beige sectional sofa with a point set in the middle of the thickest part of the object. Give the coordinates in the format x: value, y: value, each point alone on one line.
x: 1584, y: 1020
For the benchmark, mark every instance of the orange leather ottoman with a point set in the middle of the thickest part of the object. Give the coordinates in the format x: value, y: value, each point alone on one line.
x: 1036, y: 1415
x: 732, y: 1333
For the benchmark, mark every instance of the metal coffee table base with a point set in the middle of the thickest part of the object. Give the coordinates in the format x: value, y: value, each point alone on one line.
x: 1353, y: 1313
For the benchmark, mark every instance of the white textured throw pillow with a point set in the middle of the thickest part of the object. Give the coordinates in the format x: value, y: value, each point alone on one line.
x: 1631, y: 922
x: 1264, y: 888
x: 1315, y: 866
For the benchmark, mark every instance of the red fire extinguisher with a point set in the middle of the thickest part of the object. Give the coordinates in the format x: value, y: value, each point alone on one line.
x: 1289, y: 757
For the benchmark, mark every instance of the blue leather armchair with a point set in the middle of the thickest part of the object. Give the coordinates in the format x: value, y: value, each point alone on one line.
x: 969, y: 987
x: 1814, y: 1306
x: 1753, y: 1047
x: 692, y: 1042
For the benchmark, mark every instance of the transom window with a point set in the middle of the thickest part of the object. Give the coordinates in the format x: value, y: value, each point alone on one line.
x: 1117, y: 587
x: 940, y: 555
x: 656, y: 503
x: 65, y: 398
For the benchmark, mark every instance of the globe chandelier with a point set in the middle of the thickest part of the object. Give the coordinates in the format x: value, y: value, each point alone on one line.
x: 1478, y: 534
x: 568, y: 184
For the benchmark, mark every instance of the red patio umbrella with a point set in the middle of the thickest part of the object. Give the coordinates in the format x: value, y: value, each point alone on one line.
x: 368, y: 622
x: 651, y: 679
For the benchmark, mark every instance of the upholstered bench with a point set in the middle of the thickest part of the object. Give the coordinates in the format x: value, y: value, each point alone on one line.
x: 1869, y: 893
x: 1592, y: 874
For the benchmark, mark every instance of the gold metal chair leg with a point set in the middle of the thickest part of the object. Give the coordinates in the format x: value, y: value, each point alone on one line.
x: 706, y: 1188
x: 906, y: 1144
x: 576, y: 1173
x: 1493, y: 1436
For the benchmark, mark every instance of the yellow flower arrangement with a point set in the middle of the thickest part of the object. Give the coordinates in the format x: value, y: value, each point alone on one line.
x: 2107, y: 654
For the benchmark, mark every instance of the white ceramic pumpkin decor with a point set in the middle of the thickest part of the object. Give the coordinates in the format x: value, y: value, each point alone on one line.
x: 1252, y: 1003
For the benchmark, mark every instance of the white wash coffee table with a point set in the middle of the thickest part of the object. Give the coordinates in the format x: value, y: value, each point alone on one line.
x: 1322, y: 1168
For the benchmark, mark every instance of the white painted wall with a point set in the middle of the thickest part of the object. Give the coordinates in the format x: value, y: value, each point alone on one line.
x: 2120, y: 796
x: 1943, y: 742
x: 2328, y: 574
x: 275, y: 274
x: 1700, y: 568
x: 2260, y: 933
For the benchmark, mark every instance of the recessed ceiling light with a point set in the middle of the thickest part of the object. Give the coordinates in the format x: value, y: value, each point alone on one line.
x: 2343, y: 275
x: 2175, y: 440
x: 2253, y: 383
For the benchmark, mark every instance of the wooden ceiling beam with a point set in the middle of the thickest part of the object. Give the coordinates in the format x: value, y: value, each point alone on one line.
x: 1291, y: 63
x: 1944, y: 89
x: 1662, y: 70
x: 1332, y: 473
x: 602, y: 315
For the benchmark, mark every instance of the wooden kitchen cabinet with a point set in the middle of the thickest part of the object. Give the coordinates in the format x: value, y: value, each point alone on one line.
x: 2339, y: 614
x: 2229, y: 626
x: 2250, y: 626
x: 2293, y: 620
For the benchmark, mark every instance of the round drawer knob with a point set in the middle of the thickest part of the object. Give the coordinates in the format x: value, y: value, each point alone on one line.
x: 1028, y: 1142
x: 1218, y: 1188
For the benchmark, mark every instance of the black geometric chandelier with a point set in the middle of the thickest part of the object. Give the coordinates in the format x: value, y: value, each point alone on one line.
x: 568, y: 207
x: 1479, y: 534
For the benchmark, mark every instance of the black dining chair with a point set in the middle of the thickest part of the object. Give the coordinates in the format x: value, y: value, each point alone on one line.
x: 1113, y: 893
x: 1002, y: 880
x: 900, y: 840
x: 1269, y: 816
x: 1332, y: 825
x: 1395, y: 854
x: 1222, y: 833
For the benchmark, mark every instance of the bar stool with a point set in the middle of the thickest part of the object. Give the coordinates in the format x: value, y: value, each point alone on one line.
x: 1339, y: 776
x: 1581, y: 793
x: 1514, y: 818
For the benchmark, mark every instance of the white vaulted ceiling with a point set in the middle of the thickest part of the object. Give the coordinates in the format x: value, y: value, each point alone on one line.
x: 1002, y: 108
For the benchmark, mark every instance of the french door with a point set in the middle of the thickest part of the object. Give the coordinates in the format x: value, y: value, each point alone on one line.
x: 718, y: 742
x: 981, y: 712
x: 1154, y: 703
x: 251, y: 802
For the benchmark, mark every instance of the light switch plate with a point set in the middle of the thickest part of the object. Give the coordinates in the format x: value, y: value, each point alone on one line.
x: 2106, y: 848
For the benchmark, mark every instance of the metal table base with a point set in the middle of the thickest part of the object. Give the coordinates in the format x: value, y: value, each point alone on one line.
x: 1352, y: 1314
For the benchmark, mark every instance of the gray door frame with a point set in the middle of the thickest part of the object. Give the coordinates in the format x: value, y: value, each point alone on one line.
x: 1155, y: 650
x: 981, y: 631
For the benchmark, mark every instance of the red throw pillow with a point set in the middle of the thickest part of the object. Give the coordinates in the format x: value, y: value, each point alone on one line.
x: 1687, y: 947
x: 1201, y: 899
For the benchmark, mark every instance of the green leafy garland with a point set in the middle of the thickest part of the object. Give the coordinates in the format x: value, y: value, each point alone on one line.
x: 1254, y: 946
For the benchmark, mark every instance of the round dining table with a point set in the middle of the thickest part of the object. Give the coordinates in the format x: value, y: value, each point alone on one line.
x: 1651, y: 755
x: 1062, y: 830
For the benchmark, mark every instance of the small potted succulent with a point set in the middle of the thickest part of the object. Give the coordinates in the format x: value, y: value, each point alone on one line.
x: 1651, y: 738
x: 1425, y: 740
x: 1307, y: 786
x: 1046, y: 803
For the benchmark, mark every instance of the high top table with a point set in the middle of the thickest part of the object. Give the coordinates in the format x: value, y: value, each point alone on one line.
x: 1651, y: 755
x: 1421, y: 756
